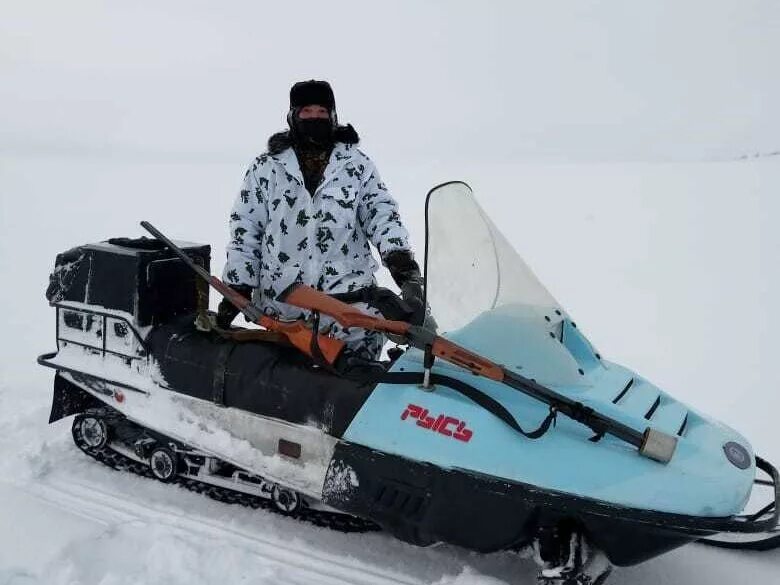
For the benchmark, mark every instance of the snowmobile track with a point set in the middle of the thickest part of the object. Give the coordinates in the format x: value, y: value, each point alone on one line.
x: 120, y: 462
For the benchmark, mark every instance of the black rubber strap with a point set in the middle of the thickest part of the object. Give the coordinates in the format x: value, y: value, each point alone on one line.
x: 220, y: 371
x: 314, y: 347
x: 477, y: 396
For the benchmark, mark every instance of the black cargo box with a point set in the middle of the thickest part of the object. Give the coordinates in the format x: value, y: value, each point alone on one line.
x: 137, y: 276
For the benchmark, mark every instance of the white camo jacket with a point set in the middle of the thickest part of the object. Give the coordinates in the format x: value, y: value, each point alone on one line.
x: 281, y: 234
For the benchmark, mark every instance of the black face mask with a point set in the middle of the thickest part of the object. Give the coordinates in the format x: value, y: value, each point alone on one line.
x: 316, y: 130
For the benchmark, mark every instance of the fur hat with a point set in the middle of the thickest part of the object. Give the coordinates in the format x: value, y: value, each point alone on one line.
x: 311, y: 92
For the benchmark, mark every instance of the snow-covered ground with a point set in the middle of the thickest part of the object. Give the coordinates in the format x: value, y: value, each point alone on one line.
x: 607, y: 140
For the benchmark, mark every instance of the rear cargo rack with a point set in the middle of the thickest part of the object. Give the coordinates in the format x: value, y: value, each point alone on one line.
x: 122, y: 327
x: 46, y: 360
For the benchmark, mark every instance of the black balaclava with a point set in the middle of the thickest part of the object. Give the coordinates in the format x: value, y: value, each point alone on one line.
x: 317, y: 132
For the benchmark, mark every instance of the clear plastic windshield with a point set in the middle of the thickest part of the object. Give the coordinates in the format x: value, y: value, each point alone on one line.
x: 483, y: 295
x: 471, y: 266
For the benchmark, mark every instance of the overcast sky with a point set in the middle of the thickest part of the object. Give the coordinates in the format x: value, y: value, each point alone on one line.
x: 511, y: 80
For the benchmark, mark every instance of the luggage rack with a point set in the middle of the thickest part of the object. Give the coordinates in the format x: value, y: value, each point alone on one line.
x: 78, y: 323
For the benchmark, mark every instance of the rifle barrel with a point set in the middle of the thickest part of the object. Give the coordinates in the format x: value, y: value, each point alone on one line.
x: 598, y: 422
x: 175, y: 249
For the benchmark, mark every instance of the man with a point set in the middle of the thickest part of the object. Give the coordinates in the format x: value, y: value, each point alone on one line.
x: 307, y: 210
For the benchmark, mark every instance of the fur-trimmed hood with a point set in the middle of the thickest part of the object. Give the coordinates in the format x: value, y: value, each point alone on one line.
x: 281, y: 141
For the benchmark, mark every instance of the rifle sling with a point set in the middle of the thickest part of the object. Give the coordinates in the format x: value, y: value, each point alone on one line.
x: 487, y: 402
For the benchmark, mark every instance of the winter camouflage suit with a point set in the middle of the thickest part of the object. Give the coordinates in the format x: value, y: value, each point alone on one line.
x: 281, y: 233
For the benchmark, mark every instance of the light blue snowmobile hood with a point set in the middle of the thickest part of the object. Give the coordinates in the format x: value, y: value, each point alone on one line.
x: 492, y: 303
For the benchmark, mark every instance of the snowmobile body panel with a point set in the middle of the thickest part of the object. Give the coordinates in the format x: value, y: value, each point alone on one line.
x: 422, y: 504
x: 700, y: 480
x: 293, y: 455
x: 69, y: 399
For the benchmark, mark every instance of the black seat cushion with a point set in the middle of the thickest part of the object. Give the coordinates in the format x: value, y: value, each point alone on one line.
x: 260, y: 377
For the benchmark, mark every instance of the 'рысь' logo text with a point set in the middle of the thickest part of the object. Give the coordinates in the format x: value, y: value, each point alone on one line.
x: 442, y: 424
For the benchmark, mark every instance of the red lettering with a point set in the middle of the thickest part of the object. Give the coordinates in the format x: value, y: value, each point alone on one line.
x: 414, y: 410
x: 447, y: 422
x: 439, y: 420
x: 463, y: 434
x: 426, y: 421
x: 442, y: 424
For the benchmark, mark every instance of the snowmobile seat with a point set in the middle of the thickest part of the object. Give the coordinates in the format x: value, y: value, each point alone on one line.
x: 259, y: 377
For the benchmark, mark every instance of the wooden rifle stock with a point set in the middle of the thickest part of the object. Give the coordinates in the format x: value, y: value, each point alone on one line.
x: 308, y: 298
x: 455, y: 354
x: 302, y: 337
x: 297, y: 333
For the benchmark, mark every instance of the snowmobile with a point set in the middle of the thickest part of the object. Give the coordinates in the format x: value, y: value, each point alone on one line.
x: 506, y: 431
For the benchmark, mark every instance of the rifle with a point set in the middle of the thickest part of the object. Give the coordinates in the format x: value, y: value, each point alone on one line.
x: 651, y: 443
x: 312, y: 343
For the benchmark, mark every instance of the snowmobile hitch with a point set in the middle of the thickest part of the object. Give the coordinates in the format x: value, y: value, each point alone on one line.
x: 312, y: 343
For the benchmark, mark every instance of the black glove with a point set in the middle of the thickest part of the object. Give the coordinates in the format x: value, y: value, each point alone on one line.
x: 227, y: 311
x: 357, y: 367
x: 406, y: 274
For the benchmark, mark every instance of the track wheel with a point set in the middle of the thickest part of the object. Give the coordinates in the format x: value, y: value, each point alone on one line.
x: 90, y: 432
x: 164, y: 464
x: 286, y: 501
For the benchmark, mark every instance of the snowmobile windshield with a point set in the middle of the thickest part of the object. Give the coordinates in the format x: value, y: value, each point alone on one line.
x: 484, y: 296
